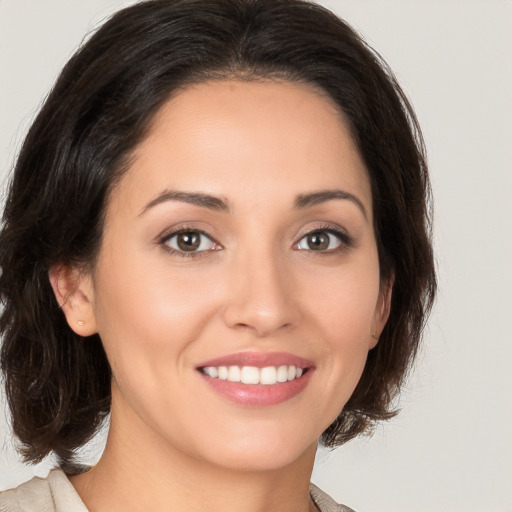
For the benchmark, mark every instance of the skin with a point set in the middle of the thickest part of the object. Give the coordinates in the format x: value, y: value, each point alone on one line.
x: 174, y: 444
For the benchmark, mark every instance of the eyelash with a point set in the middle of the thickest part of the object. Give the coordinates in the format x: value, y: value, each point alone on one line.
x: 346, y: 241
x: 164, y: 239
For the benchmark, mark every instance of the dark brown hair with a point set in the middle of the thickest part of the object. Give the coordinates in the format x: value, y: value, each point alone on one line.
x: 58, y: 384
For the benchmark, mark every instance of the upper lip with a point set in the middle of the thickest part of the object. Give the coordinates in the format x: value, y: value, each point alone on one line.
x: 258, y: 360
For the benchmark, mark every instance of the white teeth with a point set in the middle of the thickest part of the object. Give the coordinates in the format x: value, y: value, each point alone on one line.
x: 234, y: 374
x: 211, y: 371
x: 267, y: 376
x: 282, y: 374
x: 250, y: 375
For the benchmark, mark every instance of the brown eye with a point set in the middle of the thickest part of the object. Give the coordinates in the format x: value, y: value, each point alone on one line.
x: 190, y: 241
x: 320, y: 241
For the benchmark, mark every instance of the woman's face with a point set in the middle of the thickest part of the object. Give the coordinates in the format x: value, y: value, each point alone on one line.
x: 239, y: 245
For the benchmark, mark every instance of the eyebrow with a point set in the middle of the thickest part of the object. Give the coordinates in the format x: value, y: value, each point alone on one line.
x: 195, y: 198
x: 315, y: 198
x: 203, y: 200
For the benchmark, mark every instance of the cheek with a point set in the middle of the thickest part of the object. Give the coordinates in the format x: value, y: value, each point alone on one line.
x: 343, y: 301
x: 145, y: 315
x: 147, y: 324
x: 343, y: 310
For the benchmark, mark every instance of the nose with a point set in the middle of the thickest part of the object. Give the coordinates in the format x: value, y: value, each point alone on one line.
x: 261, y: 298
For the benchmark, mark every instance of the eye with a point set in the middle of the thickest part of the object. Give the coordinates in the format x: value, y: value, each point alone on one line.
x: 190, y: 241
x: 322, y: 240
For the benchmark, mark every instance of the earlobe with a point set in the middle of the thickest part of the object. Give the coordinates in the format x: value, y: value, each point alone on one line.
x: 74, y: 293
x: 382, y: 311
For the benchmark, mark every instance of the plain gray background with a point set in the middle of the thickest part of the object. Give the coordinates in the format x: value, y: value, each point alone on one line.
x: 450, y: 449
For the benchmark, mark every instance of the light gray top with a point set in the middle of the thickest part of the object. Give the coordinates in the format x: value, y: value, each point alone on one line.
x: 56, y: 494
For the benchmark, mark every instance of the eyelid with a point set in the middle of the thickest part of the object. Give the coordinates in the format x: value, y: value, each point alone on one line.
x: 165, y: 236
x: 346, y: 240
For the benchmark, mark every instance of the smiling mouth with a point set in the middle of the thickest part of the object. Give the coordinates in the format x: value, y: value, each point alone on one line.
x: 252, y: 375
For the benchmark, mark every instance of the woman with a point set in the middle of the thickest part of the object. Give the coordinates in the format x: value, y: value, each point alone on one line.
x: 217, y: 231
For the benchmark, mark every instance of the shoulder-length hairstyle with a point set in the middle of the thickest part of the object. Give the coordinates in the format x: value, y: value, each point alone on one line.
x: 57, y: 383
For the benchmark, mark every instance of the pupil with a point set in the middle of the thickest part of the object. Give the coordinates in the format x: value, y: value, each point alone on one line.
x: 188, y: 241
x: 318, y: 241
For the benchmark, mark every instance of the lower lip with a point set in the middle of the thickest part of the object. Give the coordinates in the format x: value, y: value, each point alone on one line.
x: 257, y: 395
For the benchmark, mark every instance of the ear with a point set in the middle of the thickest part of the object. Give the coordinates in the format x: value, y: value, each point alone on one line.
x: 74, y: 293
x: 382, y: 309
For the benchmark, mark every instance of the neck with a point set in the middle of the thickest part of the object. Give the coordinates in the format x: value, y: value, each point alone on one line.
x: 139, y: 471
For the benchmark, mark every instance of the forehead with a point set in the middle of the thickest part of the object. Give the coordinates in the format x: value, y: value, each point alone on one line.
x: 274, y: 139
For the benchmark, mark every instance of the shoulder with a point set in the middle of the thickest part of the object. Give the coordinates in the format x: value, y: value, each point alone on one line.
x: 56, y: 494
x: 51, y: 494
x: 324, y: 502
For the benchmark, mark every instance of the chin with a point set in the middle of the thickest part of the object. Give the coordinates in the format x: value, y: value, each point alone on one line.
x: 258, y: 453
